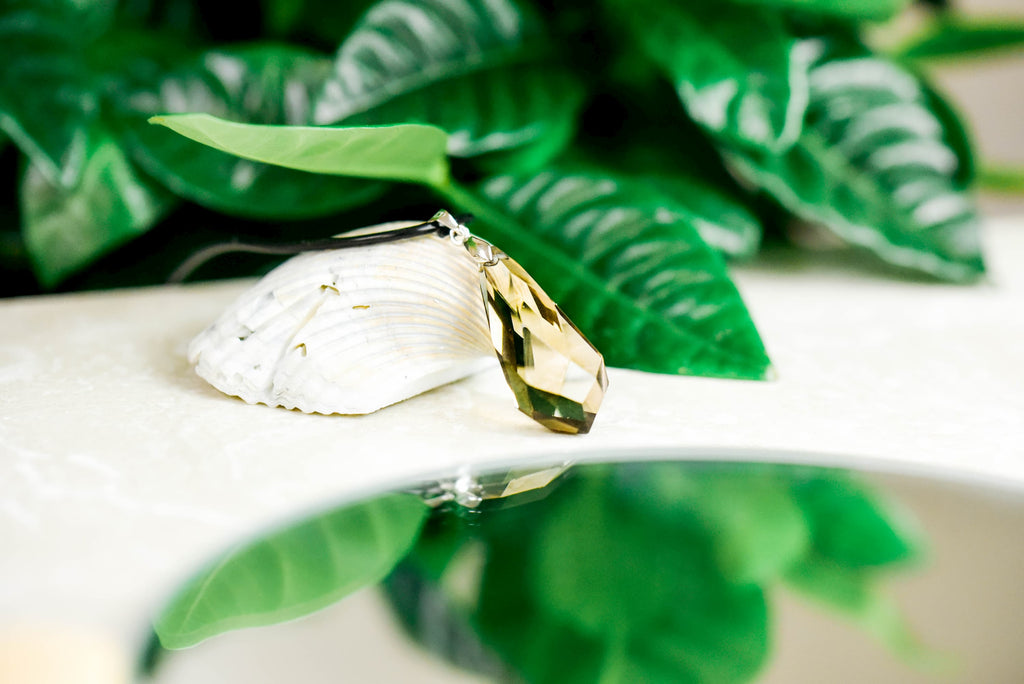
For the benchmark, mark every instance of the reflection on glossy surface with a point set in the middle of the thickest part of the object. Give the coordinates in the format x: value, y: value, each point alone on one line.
x: 656, y: 572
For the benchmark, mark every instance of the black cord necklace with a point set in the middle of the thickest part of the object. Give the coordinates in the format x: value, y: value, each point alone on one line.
x: 205, y: 254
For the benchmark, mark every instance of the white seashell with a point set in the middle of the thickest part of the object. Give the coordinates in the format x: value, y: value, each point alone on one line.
x: 351, y: 330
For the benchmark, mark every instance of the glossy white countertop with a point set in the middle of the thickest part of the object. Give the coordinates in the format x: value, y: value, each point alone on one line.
x: 120, y: 470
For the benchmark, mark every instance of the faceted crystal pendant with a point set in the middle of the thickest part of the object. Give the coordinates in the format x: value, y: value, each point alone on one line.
x: 558, y: 377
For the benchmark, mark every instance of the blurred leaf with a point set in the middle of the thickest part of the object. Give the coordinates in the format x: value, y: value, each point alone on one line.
x: 1005, y: 179
x: 396, y: 49
x: 722, y: 219
x: 47, y: 102
x: 621, y: 568
x: 852, y: 527
x: 476, y: 69
x: 852, y: 592
x: 954, y: 134
x: 260, y: 84
x: 649, y: 589
x: 721, y: 637
x: 87, y: 18
x: 861, y: 10
x: 325, y: 20
x: 66, y: 229
x: 959, y: 37
x: 714, y: 206
x: 635, y: 277
x: 439, y: 624
x: 873, y: 165
x: 178, y: 18
x: 519, y: 106
x: 674, y: 156
x: 406, y: 152
x: 294, y: 571
x: 749, y: 516
x: 744, y: 79
x: 531, y: 640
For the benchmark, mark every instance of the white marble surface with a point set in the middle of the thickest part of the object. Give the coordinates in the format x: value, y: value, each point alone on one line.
x: 120, y: 469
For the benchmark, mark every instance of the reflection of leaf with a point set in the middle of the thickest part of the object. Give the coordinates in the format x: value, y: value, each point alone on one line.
x: 854, y: 593
x: 743, y: 80
x: 648, y: 588
x: 633, y: 274
x: 66, y: 229
x: 429, y: 615
x: 645, y: 572
x: 295, y: 571
x: 874, y: 166
x: 720, y: 637
x: 409, y: 152
x: 471, y: 68
x: 754, y: 525
x: 532, y: 641
x: 851, y: 526
x: 854, y: 537
x: 260, y: 85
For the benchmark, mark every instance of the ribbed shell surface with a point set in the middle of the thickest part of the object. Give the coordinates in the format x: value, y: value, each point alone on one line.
x: 351, y: 330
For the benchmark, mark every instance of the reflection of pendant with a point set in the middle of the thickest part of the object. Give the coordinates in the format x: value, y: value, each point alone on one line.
x: 557, y: 376
x: 361, y: 322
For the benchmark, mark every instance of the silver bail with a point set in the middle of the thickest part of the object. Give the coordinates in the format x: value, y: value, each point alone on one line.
x: 482, y: 251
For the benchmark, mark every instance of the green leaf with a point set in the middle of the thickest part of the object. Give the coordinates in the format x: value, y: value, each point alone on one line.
x: 405, y: 152
x: 83, y: 19
x: 429, y: 615
x: 853, y: 593
x: 873, y: 165
x: 743, y: 79
x: 674, y: 156
x: 47, y: 103
x: 621, y: 566
x: 749, y: 516
x: 602, y: 567
x: 1004, y: 179
x: 476, y: 69
x: 954, y: 134
x: 861, y: 10
x: 300, y: 19
x: 532, y: 641
x: 66, y: 229
x: 295, y: 571
x: 851, y: 526
x: 721, y: 637
x: 648, y: 588
x: 635, y: 278
x: 500, y: 109
x: 260, y: 84
x: 714, y: 206
x: 957, y: 37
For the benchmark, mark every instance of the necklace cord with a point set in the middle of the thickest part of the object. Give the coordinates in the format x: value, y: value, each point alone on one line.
x: 210, y: 252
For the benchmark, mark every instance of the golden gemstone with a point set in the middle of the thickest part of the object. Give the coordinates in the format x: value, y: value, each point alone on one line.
x: 558, y: 377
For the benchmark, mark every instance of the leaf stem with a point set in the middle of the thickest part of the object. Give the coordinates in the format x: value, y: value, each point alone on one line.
x: 1003, y: 179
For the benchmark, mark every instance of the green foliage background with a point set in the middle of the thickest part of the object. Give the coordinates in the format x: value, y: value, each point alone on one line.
x: 623, y: 151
